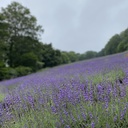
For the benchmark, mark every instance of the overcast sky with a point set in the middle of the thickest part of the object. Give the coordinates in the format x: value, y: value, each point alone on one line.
x: 78, y: 25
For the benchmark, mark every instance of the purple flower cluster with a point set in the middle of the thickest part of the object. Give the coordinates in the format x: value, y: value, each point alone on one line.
x: 67, y: 92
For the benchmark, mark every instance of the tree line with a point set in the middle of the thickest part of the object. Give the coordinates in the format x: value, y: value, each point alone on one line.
x: 22, y: 52
x: 117, y: 43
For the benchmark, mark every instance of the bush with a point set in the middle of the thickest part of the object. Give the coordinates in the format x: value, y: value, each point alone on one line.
x: 2, y: 64
x: 29, y: 60
x: 39, y: 65
x: 7, y: 73
x: 21, y: 70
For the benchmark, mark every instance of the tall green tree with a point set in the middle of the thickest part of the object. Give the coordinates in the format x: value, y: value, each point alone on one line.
x: 65, y: 58
x: 21, y: 24
x: 50, y: 56
x: 101, y: 53
x: 3, y: 38
x: 90, y: 54
x: 123, y: 46
x: 111, y: 46
x: 25, y: 45
x: 72, y: 56
x: 124, y: 33
x: 29, y: 60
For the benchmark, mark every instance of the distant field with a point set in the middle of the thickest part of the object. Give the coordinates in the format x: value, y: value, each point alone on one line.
x: 86, y: 94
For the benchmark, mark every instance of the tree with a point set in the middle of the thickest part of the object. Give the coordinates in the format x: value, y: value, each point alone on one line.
x: 72, y: 56
x: 57, y: 57
x: 3, y: 38
x: 90, y: 54
x: 3, y: 29
x: 123, y: 46
x: 29, y: 60
x: 111, y: 46
x: 21, y: 24
x: 47, y: 55
x: 24, y: 45
x: 50, y: 56
x: 65, y: 58
x: 101, y: 53
x: 124, y: 33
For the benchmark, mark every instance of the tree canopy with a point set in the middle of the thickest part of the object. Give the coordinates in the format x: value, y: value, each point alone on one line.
x: 22, y: 25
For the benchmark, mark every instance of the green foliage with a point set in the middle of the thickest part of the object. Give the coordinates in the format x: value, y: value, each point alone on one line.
x: 118, y: 43
x: 72, y: 56
x: 7, y: 73
x: 88, y: 55
x: 65, y: 58
x: 123, y: 46
x: 2, y: 64
x: 124, y: 33
x: 3, y: 37
x: 21, y: 70
x: 3, y: 51
x: 39, y: 65
x: 21, y: 26
x: 107, y: 76
x: 21, y: 22
x: 50, y: 56
x: 25, y: 45
x: 101, y: 53
x: 29, y: 60
x: 2, y: 96
x: 112, y: 45
x: 3, y: 28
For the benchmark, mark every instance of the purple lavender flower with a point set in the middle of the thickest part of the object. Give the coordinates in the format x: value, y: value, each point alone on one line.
x: 66, y: 89
x: 93, y: 125
x: 67, y: 126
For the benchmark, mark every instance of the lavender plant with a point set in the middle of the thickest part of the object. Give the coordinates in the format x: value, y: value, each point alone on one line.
x: 86, y: 94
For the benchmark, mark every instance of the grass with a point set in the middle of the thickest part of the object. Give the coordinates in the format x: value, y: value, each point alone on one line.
x: 2, y: 96
x: 107, y: 75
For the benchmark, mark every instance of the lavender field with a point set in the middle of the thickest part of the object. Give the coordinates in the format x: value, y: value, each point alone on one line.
x: 86, y: 94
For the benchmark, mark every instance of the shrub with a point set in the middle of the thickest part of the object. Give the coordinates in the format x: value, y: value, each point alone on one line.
x: 29, y: 60
x: 2, y: 64
x: 21, y: 70
x: 39, y: 65
x: 7, y: 73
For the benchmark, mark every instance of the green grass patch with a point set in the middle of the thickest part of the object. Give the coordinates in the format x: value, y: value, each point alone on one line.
x: 107, y: 76
x: 2, y: 96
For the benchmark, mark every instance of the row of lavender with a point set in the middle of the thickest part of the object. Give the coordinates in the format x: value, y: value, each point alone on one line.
x: 67, y: 96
